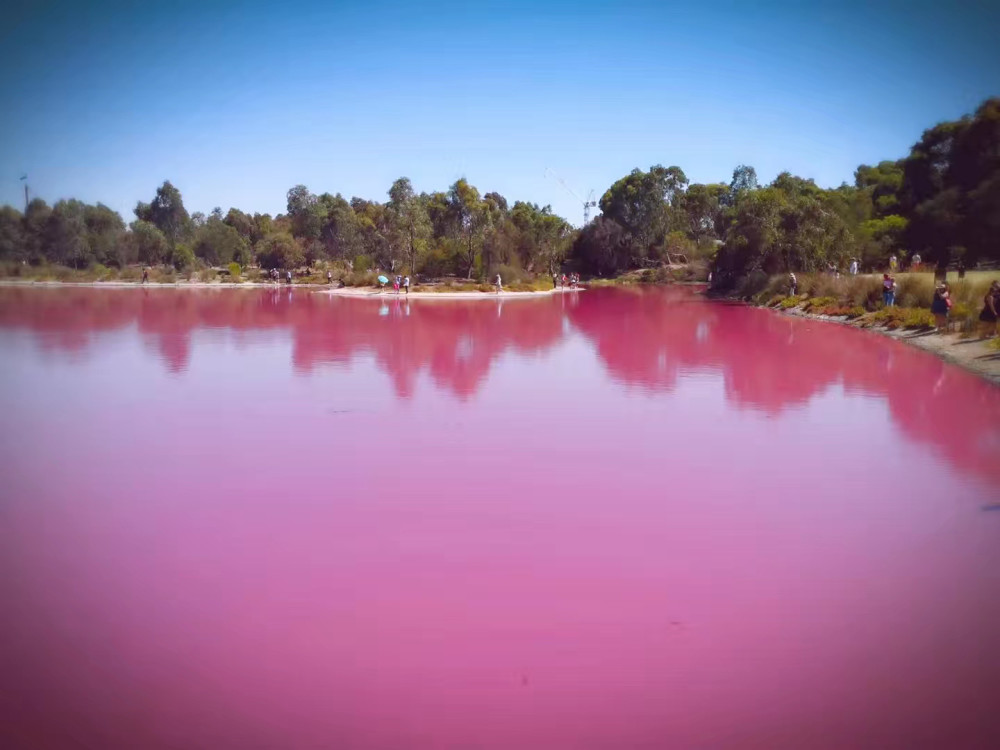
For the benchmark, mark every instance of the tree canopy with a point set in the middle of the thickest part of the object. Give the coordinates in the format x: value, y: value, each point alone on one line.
x: 941, y: 200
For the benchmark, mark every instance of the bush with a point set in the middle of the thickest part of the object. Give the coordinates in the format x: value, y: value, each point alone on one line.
x: 789, y: 302
x: 182, y: 257
x: 836, y: 310
x: 508, y: 274
x: 362, y: 264
x: 855, y: 312
x: 914, y: 290
x: 814, y: 304
x: 235, y: 271
x: 360, y: 278
x: 919, y: 318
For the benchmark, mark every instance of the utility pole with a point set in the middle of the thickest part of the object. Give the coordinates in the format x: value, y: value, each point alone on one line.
x: 24, y: 179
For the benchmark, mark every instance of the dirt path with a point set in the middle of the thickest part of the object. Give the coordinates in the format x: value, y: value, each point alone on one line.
x: 975, y: 354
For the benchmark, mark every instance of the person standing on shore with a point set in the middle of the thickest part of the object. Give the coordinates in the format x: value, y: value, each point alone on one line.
x: 961, y: 269
x: 406, y: 284
x: 793, y: 284
x: 499, y: 284
x: 329, y: 277
x: 940, y: 306
x: 854, y: 266
x: 145, y: 274
x: 915, y: 262
x: 991, y: 311
x: 288, y: 276
x: 893, y: 264
x: 888, y: 290
x: 555, y: 280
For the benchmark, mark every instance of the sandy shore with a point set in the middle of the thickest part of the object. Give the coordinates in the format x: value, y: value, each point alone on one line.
x: 371, y: 292
x: 974, y: 355
x: 347, y: 291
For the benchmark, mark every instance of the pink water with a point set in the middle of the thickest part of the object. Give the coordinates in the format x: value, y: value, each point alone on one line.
x: 612, y: 519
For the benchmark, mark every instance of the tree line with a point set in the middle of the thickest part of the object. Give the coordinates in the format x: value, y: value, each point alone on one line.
x: 942, y: 200
x: 458, y: 232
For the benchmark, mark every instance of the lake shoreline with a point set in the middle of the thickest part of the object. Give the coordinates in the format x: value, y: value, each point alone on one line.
x: 973, y: 355
x: 346, y: 291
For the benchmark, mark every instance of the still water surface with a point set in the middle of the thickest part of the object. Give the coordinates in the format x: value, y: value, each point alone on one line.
x: 611, y: 519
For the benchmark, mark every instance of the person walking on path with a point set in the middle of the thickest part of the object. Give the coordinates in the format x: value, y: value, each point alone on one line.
x: 854, y: 266
x: 499, y: 284
x: 406, y: 284
x: 395, y: 284
x: 991, y: 311
x: 329, y: 277
x: 893, y: 264
x: 888, y: 290
x: 940, y: 306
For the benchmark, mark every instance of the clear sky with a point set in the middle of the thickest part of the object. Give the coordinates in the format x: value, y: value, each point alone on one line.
x: 237, y: 102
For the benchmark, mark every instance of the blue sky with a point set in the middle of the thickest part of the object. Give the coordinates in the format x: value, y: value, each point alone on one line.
x: 236, y: 103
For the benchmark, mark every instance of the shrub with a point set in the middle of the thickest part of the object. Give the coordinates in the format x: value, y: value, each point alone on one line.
x: 855, y: 312
x: 508, y: 274
x: 182, y: 257
x: 789, y: 302
x: 360, y: 278
x: 818, y: 303
x: 362, y: 264
x: 914, y: 290
x: 235, y: 271
x: 165, y: 275
x: 836, y: 310
x: 918, y: 318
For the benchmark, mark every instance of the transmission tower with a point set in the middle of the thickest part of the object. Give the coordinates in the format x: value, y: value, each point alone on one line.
x: 587, y: 204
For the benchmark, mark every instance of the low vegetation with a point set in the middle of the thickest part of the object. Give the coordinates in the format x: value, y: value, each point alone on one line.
x: 859, y: 298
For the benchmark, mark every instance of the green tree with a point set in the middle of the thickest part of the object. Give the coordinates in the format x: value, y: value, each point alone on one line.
x: 306, y: 212
x: 105, y: 235
x: 641, y: 204
x: 150, y: 245
x: 12, y: 245
x: 469, y: 217
x: 65, y: 239
x: 36, y: 219
x: 280, y: 250
x: 243, y: 224
x: 166, y: 213
x: 219, y: 244
x: 410, y: 224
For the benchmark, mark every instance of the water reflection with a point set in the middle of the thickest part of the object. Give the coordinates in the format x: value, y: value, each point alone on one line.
x: 645, y: 338
x: 613, y: 519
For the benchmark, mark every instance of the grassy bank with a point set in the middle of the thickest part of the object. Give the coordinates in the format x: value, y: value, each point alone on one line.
x: 234, y: 274
x: 694, y: 272
x: 859, y: 298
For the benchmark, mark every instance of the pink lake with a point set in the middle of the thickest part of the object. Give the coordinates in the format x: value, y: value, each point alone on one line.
x: 607, y: 519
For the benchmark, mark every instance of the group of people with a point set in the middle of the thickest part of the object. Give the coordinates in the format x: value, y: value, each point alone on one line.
x: 401, y: 282
x: 276, y: 275
x: 572, y: 281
